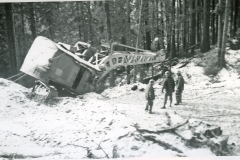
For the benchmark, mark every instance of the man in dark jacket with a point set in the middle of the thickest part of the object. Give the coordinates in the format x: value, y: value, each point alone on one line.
x: 150, y: 96
x: 168, y: 85
x: 179, y: 88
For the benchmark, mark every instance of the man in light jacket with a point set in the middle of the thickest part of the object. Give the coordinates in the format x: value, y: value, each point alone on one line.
x: 150, y: 96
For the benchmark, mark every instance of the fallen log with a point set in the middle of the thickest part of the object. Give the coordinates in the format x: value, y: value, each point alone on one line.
x: 169, y: 129
x: 185, y: 63
x: 162, y: 143
x: 218, y: 145
x: 155, y: 77
x: 193, y: 46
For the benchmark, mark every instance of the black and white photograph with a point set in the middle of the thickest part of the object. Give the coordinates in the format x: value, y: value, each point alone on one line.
x: 120, y: 79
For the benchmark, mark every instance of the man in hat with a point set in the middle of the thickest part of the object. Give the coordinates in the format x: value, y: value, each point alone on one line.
x: 150, y: 96
x: 179, y: 88
x: 168, y: 86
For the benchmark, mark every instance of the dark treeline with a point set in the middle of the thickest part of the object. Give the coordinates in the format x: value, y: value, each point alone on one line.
x: 180, y: 25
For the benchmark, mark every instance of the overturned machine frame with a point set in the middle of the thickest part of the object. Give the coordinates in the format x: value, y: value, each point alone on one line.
x: 64, y: 67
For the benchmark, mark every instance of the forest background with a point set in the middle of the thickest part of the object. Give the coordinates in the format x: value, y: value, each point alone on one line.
x: 181, y: 26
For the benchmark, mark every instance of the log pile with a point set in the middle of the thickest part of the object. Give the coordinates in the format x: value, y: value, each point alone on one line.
x: 204, y: 134
x: 195, y: 134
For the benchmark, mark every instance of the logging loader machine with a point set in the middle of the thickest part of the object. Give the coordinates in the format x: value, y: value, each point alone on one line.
x: 66, y: 67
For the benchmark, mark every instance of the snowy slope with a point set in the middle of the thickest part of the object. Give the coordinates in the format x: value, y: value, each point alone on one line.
x: 104, y: 125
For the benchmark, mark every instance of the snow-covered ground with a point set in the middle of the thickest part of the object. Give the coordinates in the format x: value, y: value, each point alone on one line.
x: 106, y: 125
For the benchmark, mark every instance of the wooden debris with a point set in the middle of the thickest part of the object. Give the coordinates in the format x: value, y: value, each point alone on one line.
x: 161, y: 143
x: 170, y: 129
x: 218, y: 145
x: 185, y: 63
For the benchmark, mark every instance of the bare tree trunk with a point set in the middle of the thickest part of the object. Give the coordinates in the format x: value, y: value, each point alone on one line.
x: 206, y: 21
x: 199, y: 21
x: 158, y: 31
x: 11, y: 39
x: 220, y: 29
x: 184, y: 40
x: 128, y: 35
x: 168, y: 31
x: 50, y: 20
x: 213, y: 23
x: 112, y: 78
x: 232, y: 19
x: 161, y: 34
x: 79, y: 13
x: 235, y: 26
x: 90, y: 21
x: 32, y: 20
x: 178, y: 26
x: 23, y: 35
x: 216, y: 24
x: 173, y: 48
x: 188, y: 35
x: 135, y: 67
x: 108, y: 21
x: 196, y: 17
x: 85, y: 32
x: 153, y: 26
x: 193, y: 26
x: 225, y: 29
x: 147, y: 35
x: 147, y: 31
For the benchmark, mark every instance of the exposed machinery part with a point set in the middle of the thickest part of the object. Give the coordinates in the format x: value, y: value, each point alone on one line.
x: 124, y: 58
x: 81, y: 68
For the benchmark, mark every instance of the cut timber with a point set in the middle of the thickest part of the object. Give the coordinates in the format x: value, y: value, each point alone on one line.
x: 155, y: 77
x: 185, y: 63
x: 193, y: 46
x: 162, y: 143
x: 170, y: 129
x: 218, y: 145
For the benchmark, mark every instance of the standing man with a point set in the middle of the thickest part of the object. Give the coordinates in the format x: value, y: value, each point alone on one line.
x: 150, y: 96
x: 168, y: 85
x: 179, y: 88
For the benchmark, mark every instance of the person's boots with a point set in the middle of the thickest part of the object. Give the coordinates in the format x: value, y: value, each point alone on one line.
x: 163, y: 106
x: 146, y: 109
x: 177, y: 103
x: 177, y: 100
x: 150, y: 111
x: 170, y: 104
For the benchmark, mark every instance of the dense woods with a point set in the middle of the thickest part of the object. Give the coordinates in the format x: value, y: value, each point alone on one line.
x: 181, y: 26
